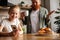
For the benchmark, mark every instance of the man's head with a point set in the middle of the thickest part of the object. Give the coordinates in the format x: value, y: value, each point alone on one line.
x: 36, y: 4
x: 14, y: 12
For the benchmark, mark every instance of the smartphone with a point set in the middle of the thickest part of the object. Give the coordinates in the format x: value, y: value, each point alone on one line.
x: 13, y: 27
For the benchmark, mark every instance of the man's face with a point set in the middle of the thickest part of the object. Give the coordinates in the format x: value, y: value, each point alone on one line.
x: 35, y: 4
x: 14, y: 13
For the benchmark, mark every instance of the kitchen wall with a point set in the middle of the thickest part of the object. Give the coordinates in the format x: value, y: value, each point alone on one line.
x: 3, y: 14
x: 49, y: 4
x: 59, y: 3
x: 54, y: 4
x: 19, y: 1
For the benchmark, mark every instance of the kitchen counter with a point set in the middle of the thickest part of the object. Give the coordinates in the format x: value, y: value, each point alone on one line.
x: 32, y: 37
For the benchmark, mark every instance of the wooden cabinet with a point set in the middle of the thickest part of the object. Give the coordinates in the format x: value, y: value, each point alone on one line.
x: 3, y: 2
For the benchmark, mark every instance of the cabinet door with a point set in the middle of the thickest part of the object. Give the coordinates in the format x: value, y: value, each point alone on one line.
x: 3, y: 2
x: 46, y: 4
x: 42, y: 2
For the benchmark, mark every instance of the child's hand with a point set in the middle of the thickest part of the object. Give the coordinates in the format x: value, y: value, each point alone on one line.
x: 14, y: 33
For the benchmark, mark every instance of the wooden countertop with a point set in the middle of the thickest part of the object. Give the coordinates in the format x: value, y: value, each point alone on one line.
x: 32, y: 37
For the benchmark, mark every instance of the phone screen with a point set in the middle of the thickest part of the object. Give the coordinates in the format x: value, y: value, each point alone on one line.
x: 13, y: 27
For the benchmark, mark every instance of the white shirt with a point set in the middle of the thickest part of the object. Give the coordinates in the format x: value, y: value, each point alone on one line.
x: 6, y: 24
x: 34, y: 21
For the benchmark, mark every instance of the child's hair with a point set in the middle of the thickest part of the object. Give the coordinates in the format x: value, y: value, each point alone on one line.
x: 13, y: 7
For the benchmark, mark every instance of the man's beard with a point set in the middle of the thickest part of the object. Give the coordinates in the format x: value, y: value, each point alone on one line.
x: 35, y: 8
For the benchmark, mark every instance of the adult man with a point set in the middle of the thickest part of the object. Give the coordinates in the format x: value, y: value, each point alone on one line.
x: 10, y: 25
x: 36, y: 19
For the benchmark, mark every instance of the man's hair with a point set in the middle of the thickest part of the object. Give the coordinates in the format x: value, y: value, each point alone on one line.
x: 38, y: 1
x: 13, y: 7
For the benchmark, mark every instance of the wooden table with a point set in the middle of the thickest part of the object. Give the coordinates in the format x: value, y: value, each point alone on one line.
x: 32, y: 37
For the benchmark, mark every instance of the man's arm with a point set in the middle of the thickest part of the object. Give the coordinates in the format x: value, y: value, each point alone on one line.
x: 50, y: 14
x: 46, y: 13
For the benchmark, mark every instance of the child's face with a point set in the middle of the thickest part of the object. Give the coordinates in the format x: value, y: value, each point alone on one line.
x: 14, y: 13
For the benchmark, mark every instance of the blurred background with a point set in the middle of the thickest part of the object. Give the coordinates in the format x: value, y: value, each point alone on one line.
x: 26, y: 5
